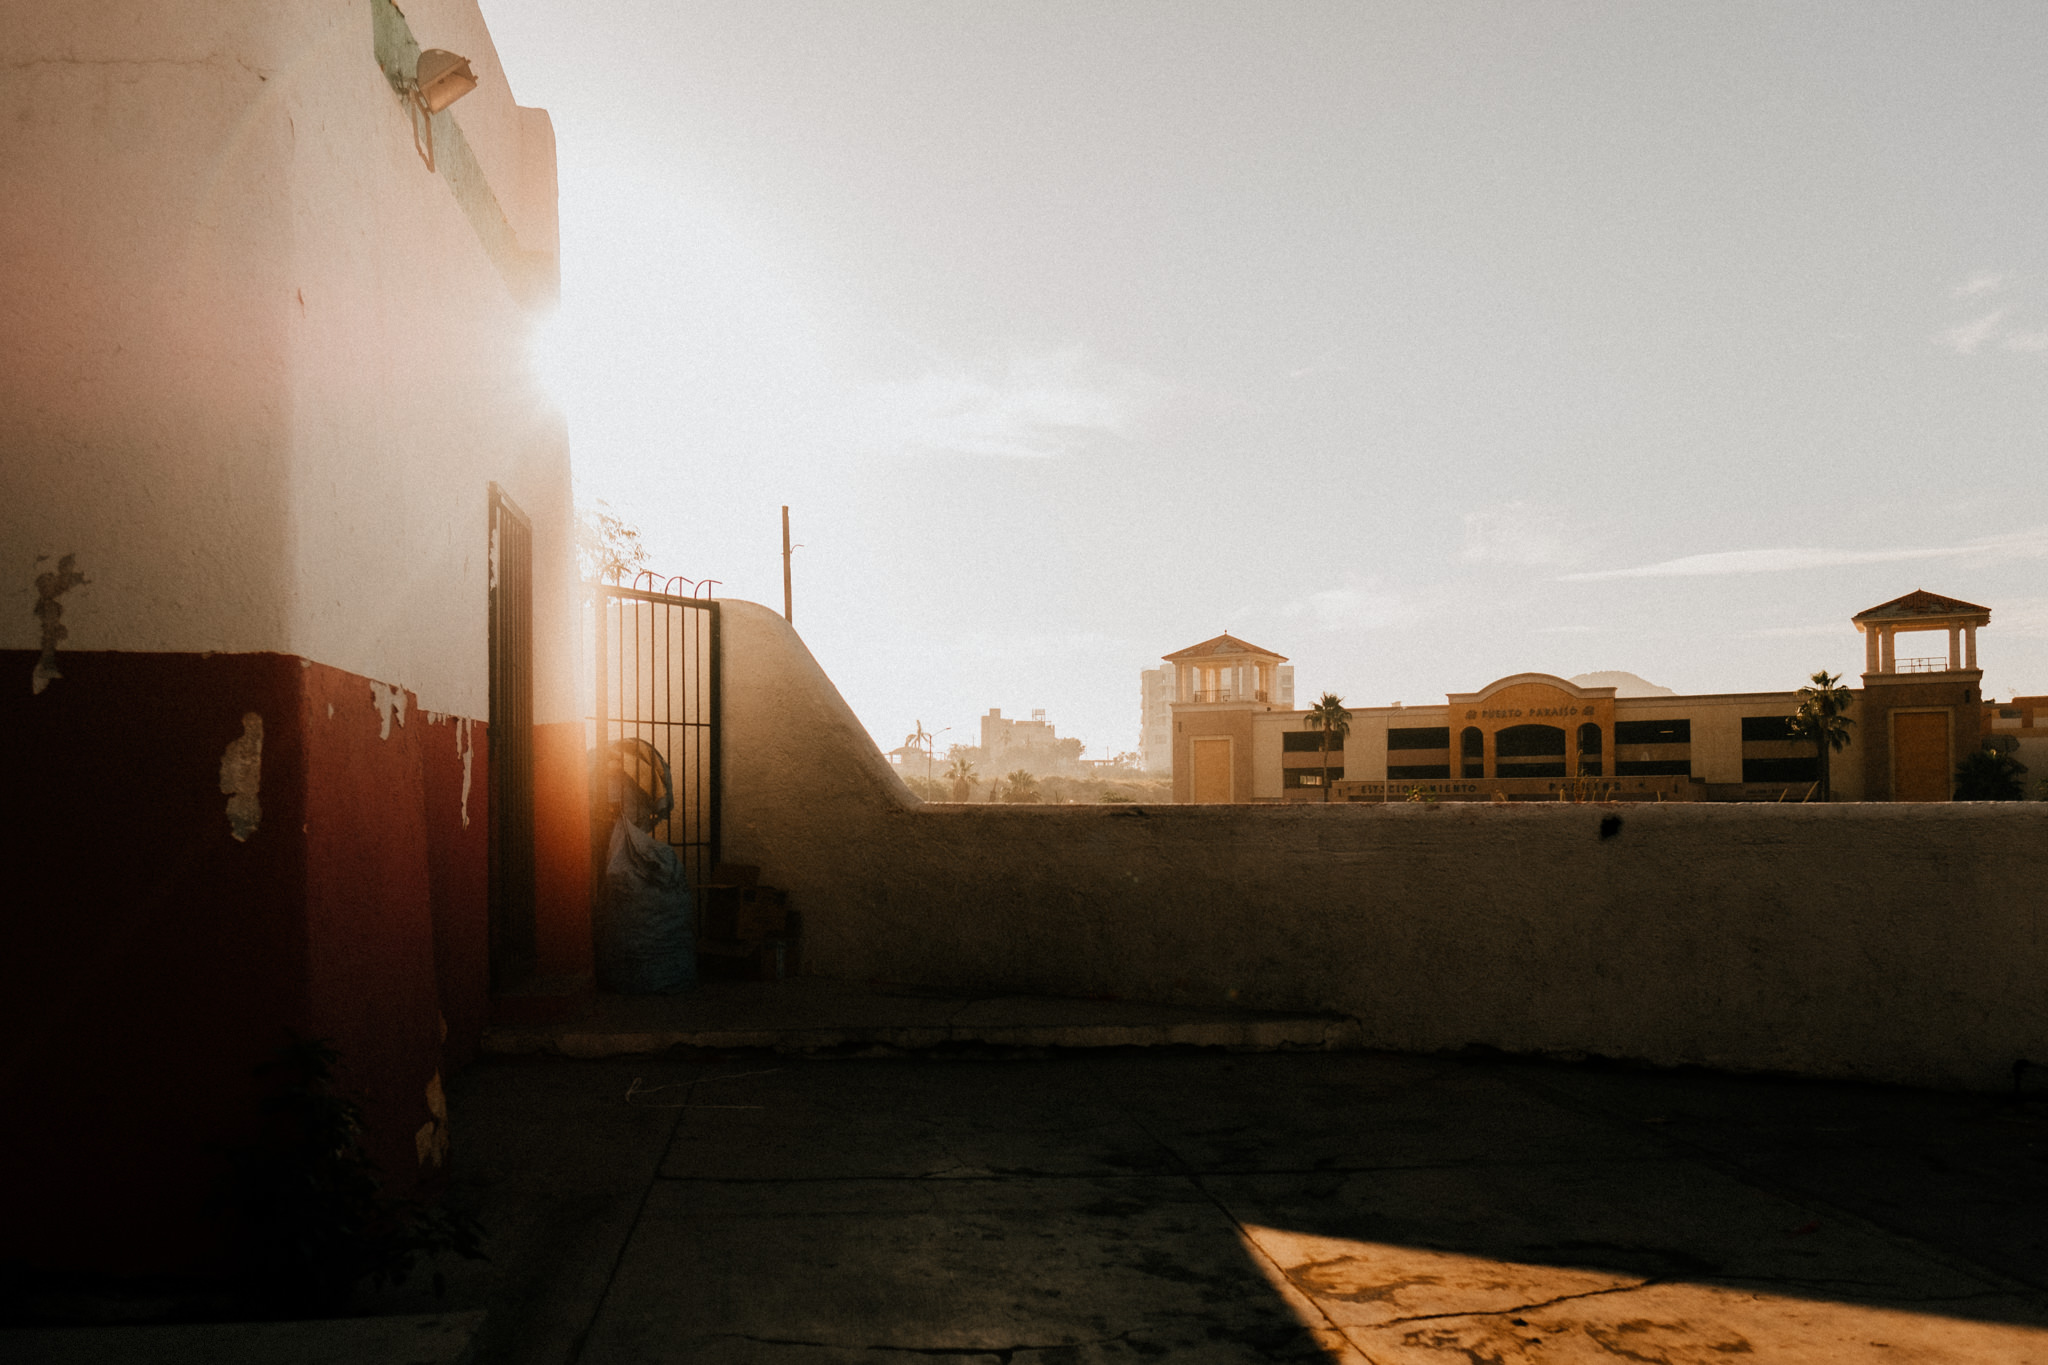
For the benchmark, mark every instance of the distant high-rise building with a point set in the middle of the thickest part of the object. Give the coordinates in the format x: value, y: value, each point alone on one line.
x: 1155, y: 719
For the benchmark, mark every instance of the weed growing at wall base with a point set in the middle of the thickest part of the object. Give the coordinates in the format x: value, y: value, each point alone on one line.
x: 313, y: 1221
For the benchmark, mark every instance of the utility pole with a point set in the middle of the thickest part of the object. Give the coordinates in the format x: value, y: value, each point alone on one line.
x: 787, y: 615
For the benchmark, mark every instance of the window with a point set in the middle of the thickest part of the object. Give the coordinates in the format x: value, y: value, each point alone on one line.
x: 1304, y: 777
x: 1529, y: 741
x: 1653, y: 732
x: 1765, y: 730
x: 1780, y: 769
x: 1654, y: 767
x: 1412, y: 771
x: 1589, y: 738
x: 1438, y: 737
x: 1309, y: 742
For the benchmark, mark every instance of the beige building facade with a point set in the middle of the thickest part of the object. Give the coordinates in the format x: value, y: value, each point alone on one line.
x: 1534, y: 736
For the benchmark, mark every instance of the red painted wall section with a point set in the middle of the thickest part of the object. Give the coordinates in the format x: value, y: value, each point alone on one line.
x: 149, y: 960
x: 561, y: 836
x: 456, y: 784
x: 372, y: 981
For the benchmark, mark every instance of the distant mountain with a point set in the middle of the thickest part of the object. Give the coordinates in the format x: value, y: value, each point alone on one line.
x: 1624, y: 684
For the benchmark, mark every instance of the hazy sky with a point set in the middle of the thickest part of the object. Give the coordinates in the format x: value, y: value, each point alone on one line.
x: 1423, y: 344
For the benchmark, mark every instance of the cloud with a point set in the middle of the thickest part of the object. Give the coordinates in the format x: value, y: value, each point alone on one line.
x: 1041, y: 407
x: 2025, y: 617
x: 1517, y: 533
x: 2026, y: 341
x: 2027, y: 544
x: 1983, y: 282
x: 1831, y: 629
x: 1351, y: 608
x: 1965, y: 340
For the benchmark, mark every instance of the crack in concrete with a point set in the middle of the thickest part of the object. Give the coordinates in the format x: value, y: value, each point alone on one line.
x: 611, y: 1276
x: 210, y: 59
x: 1003, y: 1354
x: 1528, y: 1307
x: 1276, y: 1274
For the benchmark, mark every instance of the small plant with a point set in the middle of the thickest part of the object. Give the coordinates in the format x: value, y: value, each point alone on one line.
x: 313, y: 1219
x: 608, y: 547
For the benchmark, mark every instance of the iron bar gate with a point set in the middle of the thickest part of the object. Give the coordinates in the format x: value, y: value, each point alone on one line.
x: 657, y: 679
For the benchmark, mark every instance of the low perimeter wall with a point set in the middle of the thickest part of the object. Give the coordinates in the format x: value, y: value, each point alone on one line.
x: 1902, y: 943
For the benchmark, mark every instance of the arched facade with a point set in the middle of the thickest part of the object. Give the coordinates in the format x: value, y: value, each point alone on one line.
x: 1534, y: 725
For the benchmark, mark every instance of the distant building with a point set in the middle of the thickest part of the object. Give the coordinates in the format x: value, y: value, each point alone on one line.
x: 1531, y: 736
x: 1030, y: 744
x: 1155, y: 719
x: 1220, y: 687
x: 1159, y: 688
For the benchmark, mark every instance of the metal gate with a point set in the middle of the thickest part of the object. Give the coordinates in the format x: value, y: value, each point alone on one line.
x: 657, y: 679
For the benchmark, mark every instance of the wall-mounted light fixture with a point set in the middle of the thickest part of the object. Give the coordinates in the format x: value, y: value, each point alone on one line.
x: 439, y: 79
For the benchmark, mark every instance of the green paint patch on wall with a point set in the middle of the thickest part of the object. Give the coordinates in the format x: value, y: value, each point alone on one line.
x: 528, y: 274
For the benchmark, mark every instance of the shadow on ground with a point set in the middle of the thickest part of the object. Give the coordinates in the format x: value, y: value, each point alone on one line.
x: 1239, y: 1207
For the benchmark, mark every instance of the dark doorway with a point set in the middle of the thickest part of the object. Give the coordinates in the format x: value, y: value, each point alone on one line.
x: 510, y: 740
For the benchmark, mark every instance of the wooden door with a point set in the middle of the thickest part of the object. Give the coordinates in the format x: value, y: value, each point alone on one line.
x: 1920, y: 757
x: 1211, y: 759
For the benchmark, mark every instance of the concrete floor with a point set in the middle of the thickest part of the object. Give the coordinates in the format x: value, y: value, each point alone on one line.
x: 1131, y: 1204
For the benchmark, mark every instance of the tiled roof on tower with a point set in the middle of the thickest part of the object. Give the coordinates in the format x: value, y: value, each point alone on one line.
x: 1224, y: 644
x: 1918, y: 604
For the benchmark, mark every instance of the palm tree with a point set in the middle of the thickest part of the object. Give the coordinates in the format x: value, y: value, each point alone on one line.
x: 1990, y: 775
x: 962, y: 773
x: 1819, y: 721
x: 1021, y: 788
x: 1330, y: 717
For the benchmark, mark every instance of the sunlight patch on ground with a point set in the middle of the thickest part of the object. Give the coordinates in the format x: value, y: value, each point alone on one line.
x: 1399, y: 1305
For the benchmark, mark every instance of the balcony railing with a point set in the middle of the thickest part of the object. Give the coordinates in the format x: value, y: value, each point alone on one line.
x: 1932, y: 663
x: 1224, y: 694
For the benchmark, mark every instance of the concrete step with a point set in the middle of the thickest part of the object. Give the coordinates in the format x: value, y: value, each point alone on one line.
x: 811, y: 1014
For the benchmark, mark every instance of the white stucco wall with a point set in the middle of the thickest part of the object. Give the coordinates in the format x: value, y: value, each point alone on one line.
x: 257, y: 369
x: 145, y: 240
x: 1885, y: 942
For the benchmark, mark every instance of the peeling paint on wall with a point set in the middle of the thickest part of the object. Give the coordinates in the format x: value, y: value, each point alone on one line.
x: 241, y: 774
x: 431, y: 1141
x: 468, y: 752
x: 389, y: 699
x: 50, y: 615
